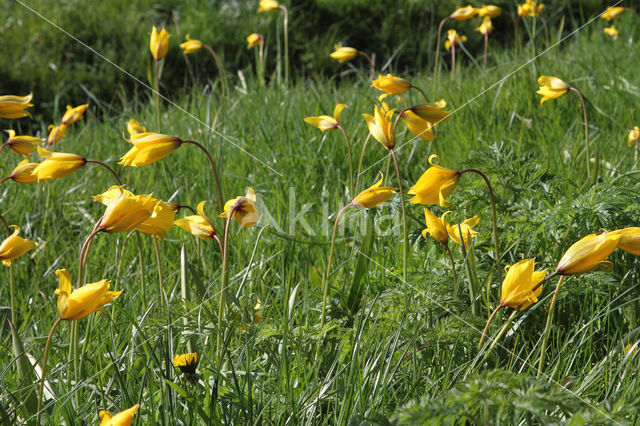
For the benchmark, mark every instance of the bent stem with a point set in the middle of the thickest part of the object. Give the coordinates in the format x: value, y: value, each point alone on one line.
x: 285, y: 22
x: 493, y: 208
x: 364, y: 147
x: 163, y: 299
x: 216, y: 59
x: 503, y: 330
x: 346, y: 137
x: 44, y: 368
x: 225, y: 279
x: 547, y: 327
x: 213, y: 169
x: 422, y: 92
x: 108, y: 168
x: 157, y: 68
x: 372, y: 64
x: 405, y: 246
x: 437, y: 60
x: 5, y: 178
x: 453, y: 270
x: 7, y: 230
x: 586, y: 131
x: 486, y: 327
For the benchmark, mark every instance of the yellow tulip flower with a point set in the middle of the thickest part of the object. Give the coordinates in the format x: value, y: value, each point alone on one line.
x: 517, y: 285
x: 21, y: 145
x: 57, y: 164
x: 56, y: 133
x: 391, y: 84
x: 435, y: 228
x: 433, y: 112
x: 191, y: 46
x: 134, y: 127
x: 612, y: 32
x: 244, y: 209
x: 453, y: 38
x: 14, y: 106
x: 435, y: 184
x: 551, y: 88
x: 268, y: 6
x: 73, y: 114
x: 630, y: 346
x: 489, y: 11
x: 612, y: 13
x: 23, y: 173
x: 84, y: 300
x: 374, y: 195
x: 199, y: 225
x: 324, y: 122
x: 149, y: 147
x: 463, y: 13
x: 634, y: 136
x: 417, y: 126
x: 486, y: 27
x: 187, y: 363
x: 123, y: 418
x: 589, y: 253
x: 159, y: 43
x: 343, y: 53
x: 126, y: 213
x: 466, y: 227
x: 629, y: 239
x: 253, y: 40
x: 381, y: 127
x: 530, y: 9
x: 113, y: 195
x: 14, y: 246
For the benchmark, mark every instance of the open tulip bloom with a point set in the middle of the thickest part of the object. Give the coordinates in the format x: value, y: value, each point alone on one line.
x: 15, y: 106
x: 23, y: 173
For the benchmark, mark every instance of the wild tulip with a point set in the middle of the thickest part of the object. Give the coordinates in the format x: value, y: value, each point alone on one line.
x: 551, y: 88
x: 486, y: 27
x: 56, y: 133
x: 159, y: 43
x: 126, y: 213
x: 435, y: 227
x: 73, y: 114
x: 123, y: 418
x: 490, y: 11
x: 519, y: 284
x: 613, y: 13
x: 21, y: 145
x: 435, y: 184
x: 57, y: 165
x: 242, y: 209
x: 466, y: 228
x: 381, y: 127
x: 589, y: 253
x: 268, y: 6
x: 199, y: 225
x: 191, y: 46
x: 77, y: 304
x: 634, y: 136
x: 629, y: 239
x: 417, y: 126
x: 254, y: 40
x: 23, y: 173
x: 464, y: 13
x: 15, y: 246
x: 134, y: 127
x: 530, y: 9
x: 149, y: 147
x: 612, y: 32
x: 325, y: 122
x: 15, y: 106
x: 391, y: 84
x: 343, y: 53
x: 453, y: 38
x: 373, y: 196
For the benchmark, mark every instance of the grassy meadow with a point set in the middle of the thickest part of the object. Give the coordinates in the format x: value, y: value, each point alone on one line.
x: 393, y: 349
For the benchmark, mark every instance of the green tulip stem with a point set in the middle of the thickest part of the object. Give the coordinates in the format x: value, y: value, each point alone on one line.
x: 346, y: 137
x: 547, y: 328
x: 493, y: 209
x: 364, y: 148
x: 214, y: 170
x: 44, y: 368
x: 486, y: 327
x: 372, y: 64
x: 327, y: 272
x: 216, y: 58
x: 503, y: 330
x: 157, y: 68
x: 453, y: 269
x: 225, y: 280
x: 108, y: 168
x: 438, y: 39
x: 586, y: 130
x: 285, y: 22
x: 405, y: 246
x: 156, y: 248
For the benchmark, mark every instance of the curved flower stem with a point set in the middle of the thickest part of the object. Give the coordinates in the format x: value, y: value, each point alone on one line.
x: 486, y: 327
x: 453, y: 270
x: 586, y: 133
x: 186, y: 206
x: 346, y: 137
x: 364, y: 147
x: 44, y: 368
x: 422, y: 92
x: 547, y: 327
x: 372, y: 64
x: 215, y: 237
x: 108, y: 168
x: 5, y: 178
x: 156, y: 248
x: 453, y: 61
x: 547, y: 278
x: 286, y: 42
x: 327, y: 272
x: 493, y: 209
x: 157, y: 68
x: 225, y: 280
x: 3, y: 145
x: 220, y: 67
x: 438, y: 39
x: 7, y: 230
x: 503, y: 330
x: 405, y: 246
x: 213, y: 169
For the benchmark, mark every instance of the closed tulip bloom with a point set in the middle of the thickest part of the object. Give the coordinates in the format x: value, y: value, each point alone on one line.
x: 486, y: 27
x: 134, y: 127
x: 374, y: 195
x: 73, y: 114
x: 324, y: 122
x: 159, y: 43
x: 187, y: 363
x: 123, y: 418
x: 433, y: 112
x: 253, y: 40
x: 244, y: 209
x: 589, y: 253
x: 517, y: 285
x: 530, y: 9
x: 466, y: 227
x: 634, y: 136
x: 343, y: 53
x: 148, y: 148
x: 629, y: 239
x: 453, y: 38
x: 268, y: 6
x: 435, y: 228
x: 112, y: 195
x: 464, y: 13
x: 381, y: 126
x: 14, y: 106
x: 489, y: 11
x: 56, y: 133
x: 198, y: 225
x: 551, y: 88
x: 435, y: 184
x: 23, y: 173
x: 15, y: 246
x: 391, y: 84
x: 126, y: 213
x: 57, y: 164
x: 21, y: 145
x: 611, y: 32
x: 191, y: 46
x: 612, y: 13
x: 417, y: 126
x: 84, y: 300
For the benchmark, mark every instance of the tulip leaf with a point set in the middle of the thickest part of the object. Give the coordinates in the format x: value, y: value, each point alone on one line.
x: 360, y: 271
x: 25, y: 372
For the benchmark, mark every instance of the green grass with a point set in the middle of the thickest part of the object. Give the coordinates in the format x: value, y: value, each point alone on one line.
x: 395, y: 351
